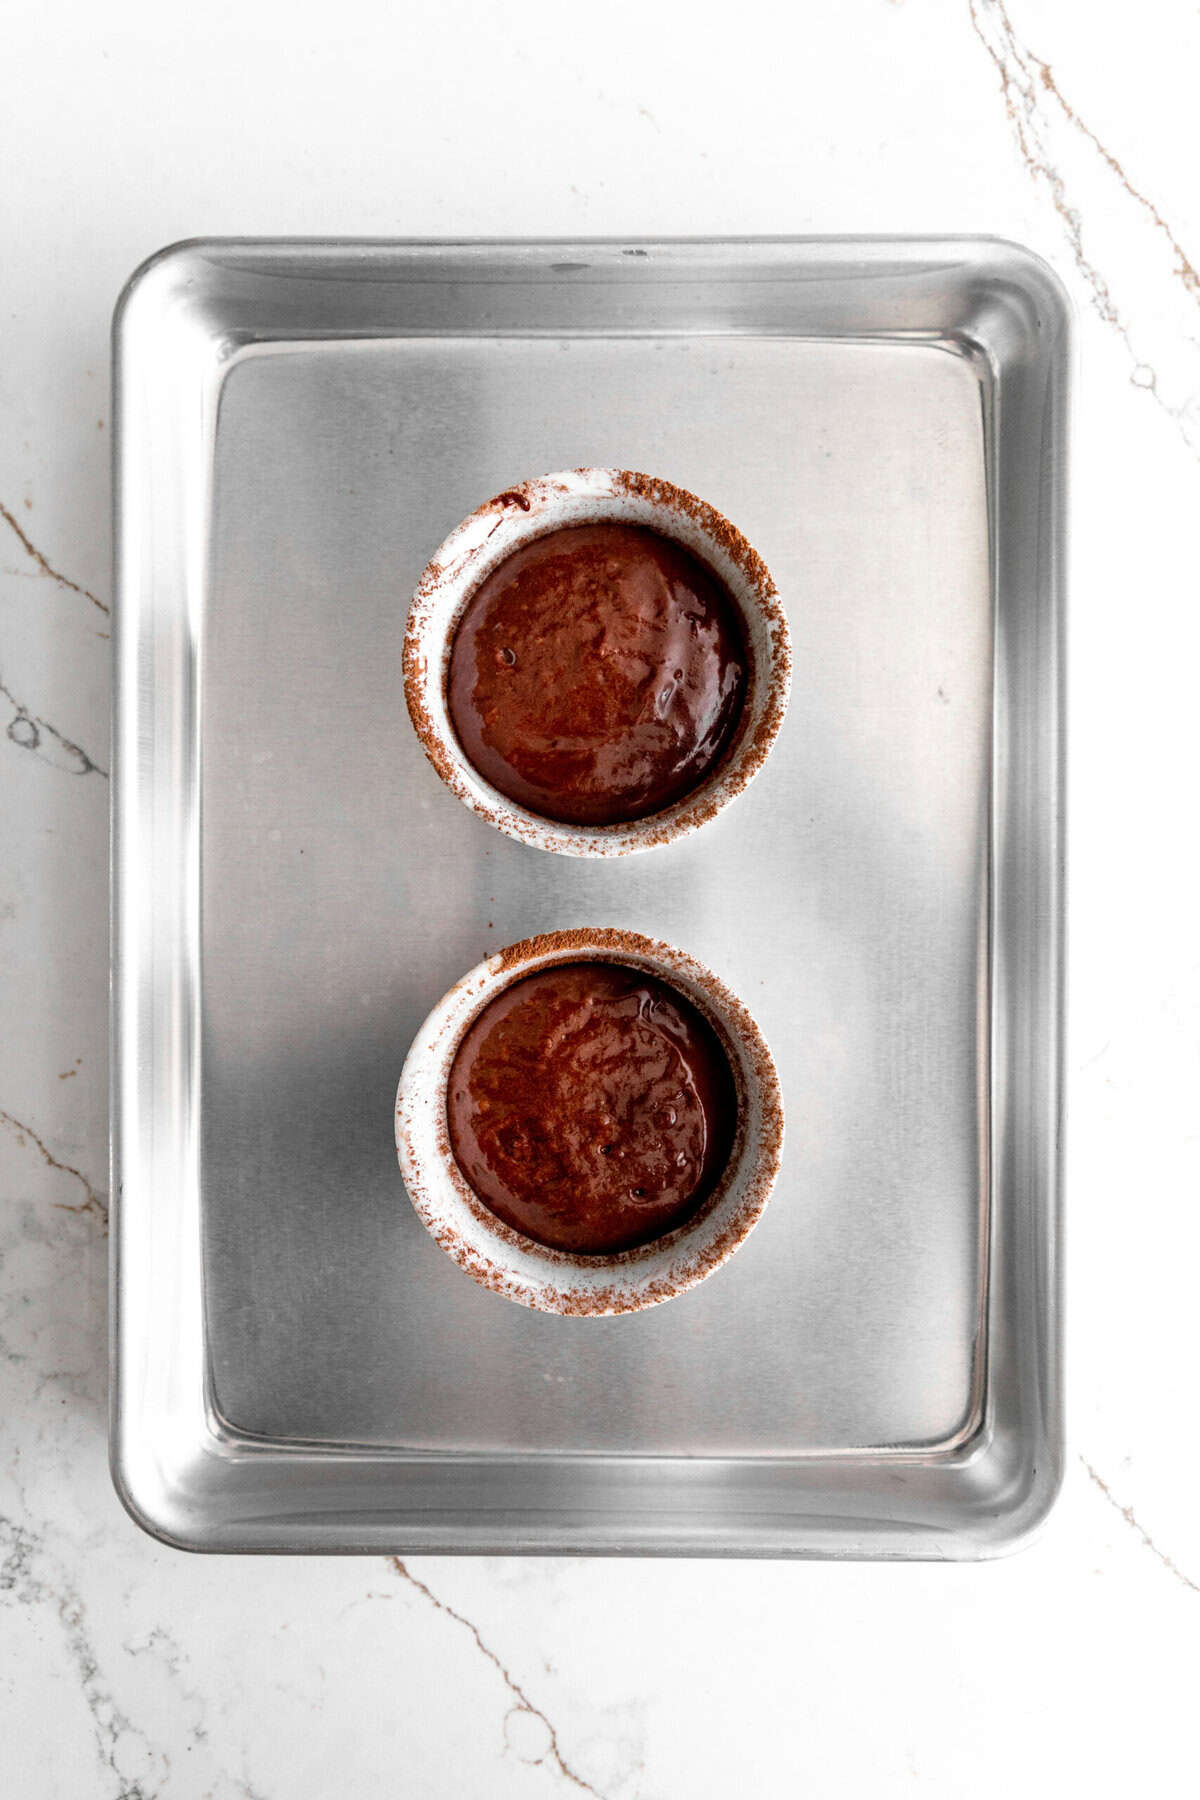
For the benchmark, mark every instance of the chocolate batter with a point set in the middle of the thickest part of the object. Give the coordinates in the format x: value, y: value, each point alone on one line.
x: 597, y: 674
x: 591, y: 1107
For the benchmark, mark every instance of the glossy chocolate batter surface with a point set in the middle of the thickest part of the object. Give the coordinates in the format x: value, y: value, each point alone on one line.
x: 591, y: 1107
x: 597, y: 674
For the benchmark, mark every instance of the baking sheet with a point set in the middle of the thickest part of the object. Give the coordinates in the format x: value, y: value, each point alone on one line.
x: 876, y: 1372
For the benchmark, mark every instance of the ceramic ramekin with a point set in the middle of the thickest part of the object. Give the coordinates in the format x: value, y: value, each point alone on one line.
x: 582, y: 497
x: 558, y: 1281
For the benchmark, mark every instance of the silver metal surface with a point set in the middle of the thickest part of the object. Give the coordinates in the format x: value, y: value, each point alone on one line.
x: 297, y: 1366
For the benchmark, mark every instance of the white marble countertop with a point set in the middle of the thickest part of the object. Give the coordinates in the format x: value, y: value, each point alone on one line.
x: 127, y: 1669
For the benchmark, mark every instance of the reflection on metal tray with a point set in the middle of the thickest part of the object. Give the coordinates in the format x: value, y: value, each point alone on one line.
x: 297, y: 1366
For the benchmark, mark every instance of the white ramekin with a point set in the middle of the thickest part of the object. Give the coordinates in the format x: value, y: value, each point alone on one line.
x: 581, y: 497
x: 559, y: 1281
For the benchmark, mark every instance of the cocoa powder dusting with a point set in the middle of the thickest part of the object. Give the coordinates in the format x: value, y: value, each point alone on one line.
x: 761, y: 715
x: 741, y: 1039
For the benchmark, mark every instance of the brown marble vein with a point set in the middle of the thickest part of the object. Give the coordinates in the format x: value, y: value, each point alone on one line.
x: 1184, y: 268
x: 1033, y: 100
x: 29, y: 731
x: 524, y: 1703
x: 46, y: 568
x: 94, y: 1203
x: 1127, y: 1513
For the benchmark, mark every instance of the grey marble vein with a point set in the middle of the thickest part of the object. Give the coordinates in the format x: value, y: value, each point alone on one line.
x: 31, y: 1577
x: 30, y: 731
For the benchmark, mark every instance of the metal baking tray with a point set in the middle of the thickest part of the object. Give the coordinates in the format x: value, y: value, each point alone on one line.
x: 297, y: 1366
